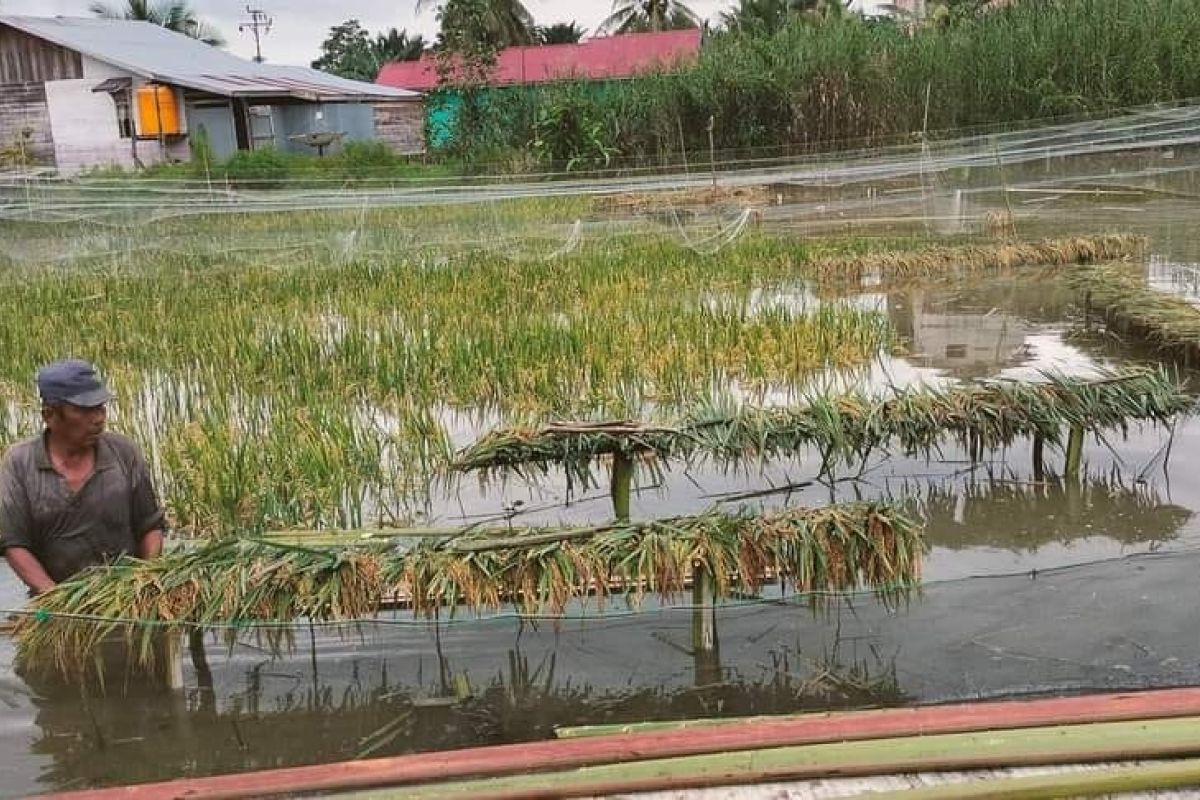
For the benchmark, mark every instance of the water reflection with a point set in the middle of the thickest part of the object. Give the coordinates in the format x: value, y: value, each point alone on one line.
x: 1178, y: 278
x: 1025, y: 516
x: 344, y: 703
x: 978, y: 327
x: 963, y: 344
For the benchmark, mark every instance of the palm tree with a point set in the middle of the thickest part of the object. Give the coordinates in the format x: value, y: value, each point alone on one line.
x: 757, y: 16
x: 502, y: 22
x: 765, y: 17
x: 174, y: 15
x: 560, y: 33
x: 397, y: 46
x: 638, y: 16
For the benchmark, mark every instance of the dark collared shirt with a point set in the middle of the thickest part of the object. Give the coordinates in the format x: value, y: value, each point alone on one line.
x: 67, y: 530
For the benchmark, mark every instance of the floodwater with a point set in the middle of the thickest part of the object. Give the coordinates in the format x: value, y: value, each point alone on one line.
x: 1031, y: 588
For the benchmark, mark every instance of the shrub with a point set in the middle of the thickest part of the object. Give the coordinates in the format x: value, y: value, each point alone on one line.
x: 263, y: 168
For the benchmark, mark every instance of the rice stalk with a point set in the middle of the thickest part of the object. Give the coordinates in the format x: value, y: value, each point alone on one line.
x: 981, y: 416
x: 935, y: 261
x: 1120, y: 293
x: 264, y: 585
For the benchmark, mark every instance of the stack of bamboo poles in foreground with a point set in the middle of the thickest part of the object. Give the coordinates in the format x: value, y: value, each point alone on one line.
x: 847, y: 428
x: 269, y: 583
x: 1091, y: 745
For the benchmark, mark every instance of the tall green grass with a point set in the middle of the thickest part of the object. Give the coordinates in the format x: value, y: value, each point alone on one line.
x: 851, y: 81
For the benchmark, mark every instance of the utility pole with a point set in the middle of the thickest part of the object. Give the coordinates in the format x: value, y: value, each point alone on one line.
x: 259, y: 25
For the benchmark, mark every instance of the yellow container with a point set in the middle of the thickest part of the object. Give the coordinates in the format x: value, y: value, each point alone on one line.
x: 158, y: 113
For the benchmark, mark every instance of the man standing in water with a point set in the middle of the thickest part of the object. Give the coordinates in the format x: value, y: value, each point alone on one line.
x: 76, y: 495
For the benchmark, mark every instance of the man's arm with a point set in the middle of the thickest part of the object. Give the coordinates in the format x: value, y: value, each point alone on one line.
x: 151, y: 545
x: 16, y: 529
x: 28, y: 569
x: 146, y: 513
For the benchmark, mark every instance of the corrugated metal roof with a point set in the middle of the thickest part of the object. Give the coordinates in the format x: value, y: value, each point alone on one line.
x: 157, y: 54
x: 601, y: 58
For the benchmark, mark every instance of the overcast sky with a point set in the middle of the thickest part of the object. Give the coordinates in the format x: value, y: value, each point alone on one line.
x: 301, y: 25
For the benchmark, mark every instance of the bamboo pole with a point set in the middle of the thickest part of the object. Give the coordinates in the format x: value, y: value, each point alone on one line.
x: 703, y: 610
x: 1074, y: 453
x: 1072, y: 744
x: 622, y: 484
x: 1169, y: 775
x: 172, y: 660
x: 705, y: 655
x: 1039, y: 459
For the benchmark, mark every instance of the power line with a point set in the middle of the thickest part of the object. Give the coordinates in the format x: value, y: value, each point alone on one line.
x: 260, y: 25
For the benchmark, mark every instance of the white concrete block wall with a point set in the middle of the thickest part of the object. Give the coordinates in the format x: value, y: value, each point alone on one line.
x: 84, y: 127
x: 100, y: 70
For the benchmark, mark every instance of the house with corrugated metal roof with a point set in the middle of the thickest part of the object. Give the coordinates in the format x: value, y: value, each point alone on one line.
x: 597, y: 60
x: 80, y: 92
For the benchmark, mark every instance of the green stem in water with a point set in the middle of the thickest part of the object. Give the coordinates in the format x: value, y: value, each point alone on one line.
x: 1074, y: 453
x: 622, y: 484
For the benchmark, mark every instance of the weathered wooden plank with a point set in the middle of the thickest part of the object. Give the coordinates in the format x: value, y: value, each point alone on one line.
x: 28, y: 59
x: 401, y: 125
x: 25, y: 131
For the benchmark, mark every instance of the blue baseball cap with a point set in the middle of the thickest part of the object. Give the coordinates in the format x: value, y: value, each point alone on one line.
x: 72, y: 381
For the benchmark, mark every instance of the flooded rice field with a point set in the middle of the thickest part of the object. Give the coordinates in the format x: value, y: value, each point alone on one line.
x: 1030, y: 587
x: 302, y: 395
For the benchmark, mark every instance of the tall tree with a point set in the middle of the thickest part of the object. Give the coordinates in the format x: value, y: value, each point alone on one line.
x: 639, y: 16
x: 503, y: 23
x: 765, y: 17
x: 396, y: 45
x: 349, y: 50
x: 346, y: 51
x: 174, y: 15
x: 560, y: 33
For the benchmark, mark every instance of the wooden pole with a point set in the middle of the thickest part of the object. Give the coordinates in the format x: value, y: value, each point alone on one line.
x: 1074, y: 453
x: 1102, y: 782
x: 712, y: 149
x: 1039, y: 459
x: 704, y: 626
x: 622, y: 484
x: 172, y: 660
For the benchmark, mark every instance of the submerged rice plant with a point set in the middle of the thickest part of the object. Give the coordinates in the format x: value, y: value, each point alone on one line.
x: 270, y: 389
x: 935, y: 261
x: 1121, y: 295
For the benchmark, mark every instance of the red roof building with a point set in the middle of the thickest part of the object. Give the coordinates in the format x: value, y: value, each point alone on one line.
x: 603, y: 58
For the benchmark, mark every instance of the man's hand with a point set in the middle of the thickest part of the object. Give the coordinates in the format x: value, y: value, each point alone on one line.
x: 151, y: 545
x: 29, y: 569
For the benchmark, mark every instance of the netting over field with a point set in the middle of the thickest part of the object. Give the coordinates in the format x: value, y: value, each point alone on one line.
x: 1030, y: 179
